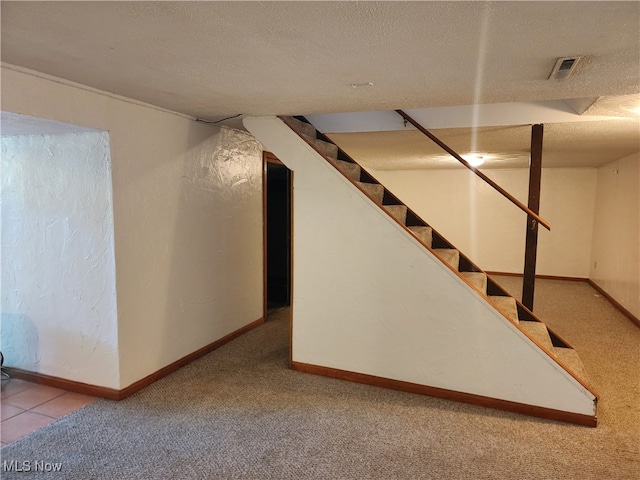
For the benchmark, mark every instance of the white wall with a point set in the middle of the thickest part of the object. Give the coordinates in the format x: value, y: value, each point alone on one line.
x: 615, y: 265
x: 490, y: 230
x: 58, y: 270
x: 187, y: 201
x: 369, y: 298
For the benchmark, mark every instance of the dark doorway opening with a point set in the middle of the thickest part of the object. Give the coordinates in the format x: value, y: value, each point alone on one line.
x: 278, y: 232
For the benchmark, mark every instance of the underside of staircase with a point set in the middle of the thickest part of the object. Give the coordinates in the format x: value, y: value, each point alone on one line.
x: 539, y: 337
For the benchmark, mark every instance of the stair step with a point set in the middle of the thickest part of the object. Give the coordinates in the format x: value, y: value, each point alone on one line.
x: 351, y: 170
x: 539, y: 332
x: 570, y: 358
x: 301, y: 127
x: 399, y: 212
x: 326, y: 148
x: 507, y: 305
x: 449, y: 255
x: 477, y: 279
x: 374, y: 190
x: 423, y: 233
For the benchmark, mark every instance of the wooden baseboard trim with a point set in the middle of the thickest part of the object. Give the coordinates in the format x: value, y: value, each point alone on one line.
x: 543, y: 277
x: 622, y: 310
x: 63, y: 383
x: 497, y: 404
x: 113, y: 394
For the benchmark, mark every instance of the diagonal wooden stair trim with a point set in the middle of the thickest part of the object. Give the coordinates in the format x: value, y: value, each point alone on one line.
x: 521, y: 309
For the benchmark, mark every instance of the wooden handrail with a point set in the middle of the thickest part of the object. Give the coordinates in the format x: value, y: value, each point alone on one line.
x: 497, y: 187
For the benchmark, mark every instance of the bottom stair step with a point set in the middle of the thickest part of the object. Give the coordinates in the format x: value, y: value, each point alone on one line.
x: 539, y: 332
x: 570, y: 358
x: 507, y: 305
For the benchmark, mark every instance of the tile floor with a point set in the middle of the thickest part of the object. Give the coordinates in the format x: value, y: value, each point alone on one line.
x: 26, y: 407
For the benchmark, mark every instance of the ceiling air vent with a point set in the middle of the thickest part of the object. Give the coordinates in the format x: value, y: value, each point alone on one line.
x: 564, y: 67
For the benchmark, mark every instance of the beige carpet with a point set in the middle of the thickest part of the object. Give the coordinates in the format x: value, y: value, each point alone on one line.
x: 240, y: 412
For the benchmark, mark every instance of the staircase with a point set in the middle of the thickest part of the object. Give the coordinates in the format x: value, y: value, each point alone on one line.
x: 538, y: 334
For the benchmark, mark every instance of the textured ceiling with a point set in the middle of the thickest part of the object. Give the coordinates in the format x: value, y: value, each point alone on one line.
x: 217, y: 59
